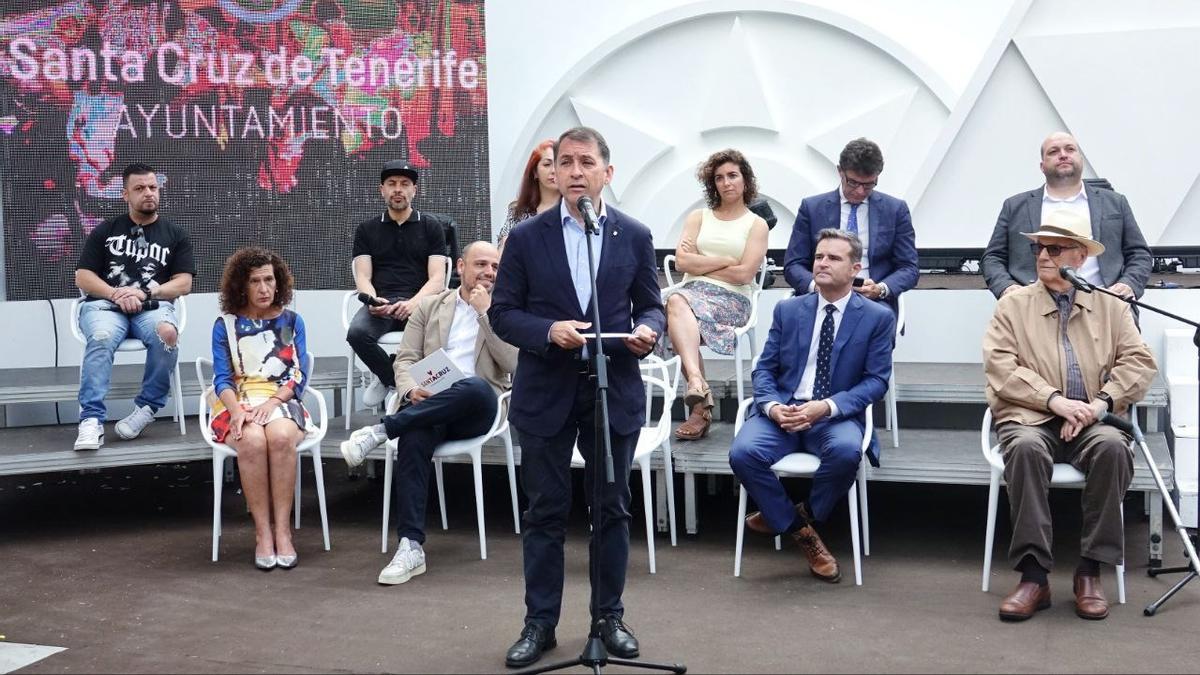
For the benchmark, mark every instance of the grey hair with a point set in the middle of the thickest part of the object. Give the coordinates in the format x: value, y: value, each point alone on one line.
x: 855, y: 243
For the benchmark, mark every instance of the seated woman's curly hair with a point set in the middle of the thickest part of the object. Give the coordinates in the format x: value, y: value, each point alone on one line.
x: 237, y: 275
x: 704, y: 174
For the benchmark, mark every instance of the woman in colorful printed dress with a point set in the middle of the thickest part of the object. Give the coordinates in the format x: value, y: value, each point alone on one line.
x: 537, y: 193
x: 720, y: 251
x: 260, y: 369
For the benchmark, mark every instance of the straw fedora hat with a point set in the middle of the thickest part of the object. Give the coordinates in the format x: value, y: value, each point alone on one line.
x: 1068, y: 225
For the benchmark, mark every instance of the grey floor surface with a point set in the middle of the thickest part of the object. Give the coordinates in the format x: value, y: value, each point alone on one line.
x: 115, y: 566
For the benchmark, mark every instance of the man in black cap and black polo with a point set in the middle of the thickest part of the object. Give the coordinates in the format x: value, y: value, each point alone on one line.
x: 399, y: 258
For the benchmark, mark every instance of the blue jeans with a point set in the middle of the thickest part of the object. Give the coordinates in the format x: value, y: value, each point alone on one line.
x: 104, y: 326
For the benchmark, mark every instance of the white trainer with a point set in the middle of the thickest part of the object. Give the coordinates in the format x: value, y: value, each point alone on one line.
x: 408, y: 562
x: 91, y: 434
x: 130, y: 427
x: 375, y: 393
x: 361, y: 442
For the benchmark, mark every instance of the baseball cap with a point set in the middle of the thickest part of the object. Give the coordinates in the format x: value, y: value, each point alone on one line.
x: 397, y: 166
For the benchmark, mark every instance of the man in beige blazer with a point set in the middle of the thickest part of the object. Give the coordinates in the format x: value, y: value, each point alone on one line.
x: 455, y: 321
x: 1056, y: 359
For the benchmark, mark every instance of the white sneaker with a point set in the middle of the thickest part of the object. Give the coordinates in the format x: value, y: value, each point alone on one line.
x: 361, y: 442
x: 130, y: 427
x: 91, y: 434
x: 375, y: 393
x: 408, y: 562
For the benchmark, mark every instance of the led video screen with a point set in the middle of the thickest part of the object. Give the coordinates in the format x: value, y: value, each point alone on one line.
x: 267, y: 120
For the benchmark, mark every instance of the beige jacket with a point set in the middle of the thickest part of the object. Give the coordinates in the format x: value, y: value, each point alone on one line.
x: 1024, y: 362
x: 428, y: 330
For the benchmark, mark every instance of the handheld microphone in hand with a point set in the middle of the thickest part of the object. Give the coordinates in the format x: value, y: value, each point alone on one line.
x: 590, y: 221
x: 148, y: 304
x: 1076, y: 281
x: 368, y: 300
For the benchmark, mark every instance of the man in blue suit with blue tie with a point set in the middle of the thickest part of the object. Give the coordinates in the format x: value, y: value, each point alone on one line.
x: 881, y: 222
x: 542, y: 303
x: 828, y: 356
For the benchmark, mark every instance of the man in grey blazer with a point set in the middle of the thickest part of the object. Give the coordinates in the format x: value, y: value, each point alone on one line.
x: 1008, y: 262
x: 456, y: 321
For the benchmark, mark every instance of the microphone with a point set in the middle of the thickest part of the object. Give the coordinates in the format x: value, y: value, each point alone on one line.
x: 1076, y: 281
x: 147, y: 305
x: 590, y: 221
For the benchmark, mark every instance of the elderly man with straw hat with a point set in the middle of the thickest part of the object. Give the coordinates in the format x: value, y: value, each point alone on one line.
x: 1056, y: 360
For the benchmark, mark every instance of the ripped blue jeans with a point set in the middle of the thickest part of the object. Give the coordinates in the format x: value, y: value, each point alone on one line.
x: 104, y: 326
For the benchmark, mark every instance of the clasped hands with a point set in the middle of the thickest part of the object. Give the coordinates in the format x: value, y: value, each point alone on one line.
x: 128, y: 298
x: 244, y: 413
x: 793, y: 418
x: 1076, y: 414
x: 566, y: 335
x: 399, y: 310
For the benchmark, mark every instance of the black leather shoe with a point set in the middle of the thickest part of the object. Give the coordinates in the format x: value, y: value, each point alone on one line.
x: 535, y: 639
x: 618, y: 639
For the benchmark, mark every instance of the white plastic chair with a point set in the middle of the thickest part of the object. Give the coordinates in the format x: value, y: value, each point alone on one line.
x: 472, y: 447
x: 221, y: 451
x: 1064, y: 475
x: 804, y: 465
x: 892, y: 420
x: 662, y: 377
x: 130, y: 344
x: 391, y: 339
x: 745, y: 333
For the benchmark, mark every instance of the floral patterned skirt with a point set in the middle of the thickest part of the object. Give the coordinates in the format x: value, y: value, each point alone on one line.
x: 718, y: 312
x: 290, y: 410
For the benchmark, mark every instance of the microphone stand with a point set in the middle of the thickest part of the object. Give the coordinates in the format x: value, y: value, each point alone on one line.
x: 1189, y: 541
x: 595, y: 654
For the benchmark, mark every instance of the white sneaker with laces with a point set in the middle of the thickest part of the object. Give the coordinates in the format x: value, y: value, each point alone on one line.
x: 408, y: 562
x: 375, y: 393
x: 361, y: 442
x: 91, y: 434
x: 130, y: 427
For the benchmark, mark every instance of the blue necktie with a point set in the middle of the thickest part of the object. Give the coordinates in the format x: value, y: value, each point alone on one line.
x: 824, y: 351
x: 852, y: 220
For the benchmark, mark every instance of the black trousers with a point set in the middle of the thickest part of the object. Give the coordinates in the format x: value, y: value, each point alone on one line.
x: 363, y: 336
x: 546, y: 481
x: 464, y: 410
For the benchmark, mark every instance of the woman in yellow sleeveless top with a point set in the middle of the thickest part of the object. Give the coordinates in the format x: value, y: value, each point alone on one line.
x: 720, y: 251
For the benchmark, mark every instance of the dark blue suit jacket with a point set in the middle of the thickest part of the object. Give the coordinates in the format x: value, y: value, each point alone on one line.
x: 860, y: 365
x: 892, y: 249
x: 534, y: 289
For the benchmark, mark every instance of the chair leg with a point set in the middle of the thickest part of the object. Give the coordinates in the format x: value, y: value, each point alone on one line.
x: 854, y: 534
x: 389, y: 452
x: 741, y: 532
x: 689, y: 502
x: 737, y: 367
x: 990, y: 537
x: 178, y: 394
x: 348, y: 396
x: 320, y: 477
x: 669, y: 474
x: 441, y: 488
x: 512, y: 479
x: 778, y: 543
x: 648, y: 507
x: 296, y: 497
x: 477, y: 468
x: 217, y: 486
x: 862, y: 500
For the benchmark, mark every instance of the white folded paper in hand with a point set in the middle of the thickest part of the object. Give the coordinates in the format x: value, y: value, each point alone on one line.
x: 592, y: 336
x: 436, y: 372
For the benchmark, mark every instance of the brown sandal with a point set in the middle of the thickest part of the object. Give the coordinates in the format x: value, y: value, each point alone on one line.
x: 694, y: 397
x: 696, y: 425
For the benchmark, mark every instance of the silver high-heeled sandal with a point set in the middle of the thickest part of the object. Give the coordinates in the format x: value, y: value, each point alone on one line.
x: 287, y: 562
x: 267, y: 563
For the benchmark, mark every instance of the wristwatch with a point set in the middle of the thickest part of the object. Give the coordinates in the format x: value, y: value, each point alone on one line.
x: 1103, y: 396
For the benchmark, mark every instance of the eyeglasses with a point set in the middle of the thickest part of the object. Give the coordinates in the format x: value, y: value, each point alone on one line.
x: 1054, y: 250
x: 141, y: 243
x: 854, y: 184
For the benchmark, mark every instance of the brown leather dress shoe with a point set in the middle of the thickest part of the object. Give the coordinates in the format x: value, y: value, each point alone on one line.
x: 821, y: 562
x: 1024, y: 601
x: 755, y: 521
x: 1090, y: 602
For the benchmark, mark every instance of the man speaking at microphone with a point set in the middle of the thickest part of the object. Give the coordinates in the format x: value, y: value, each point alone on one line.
x: 1056, y: 359
x: 131, y: 269
x: 542, y: 303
